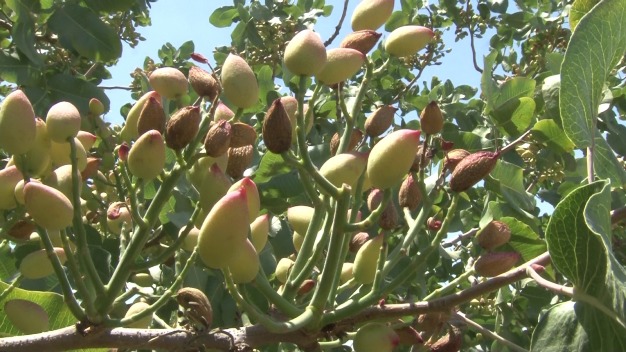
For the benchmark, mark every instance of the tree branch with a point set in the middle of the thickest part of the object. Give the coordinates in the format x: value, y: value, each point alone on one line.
x: 338, y: 27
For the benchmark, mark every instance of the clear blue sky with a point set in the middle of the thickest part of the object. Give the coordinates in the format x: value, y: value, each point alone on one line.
x: 179, y: 21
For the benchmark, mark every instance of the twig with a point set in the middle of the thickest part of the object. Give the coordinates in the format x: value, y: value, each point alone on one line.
x: 471, y: 34
x: 116, y: 87
x: 486, y: 332
x: 510, y: 146
x: 560, y: 289
x: 460, y: 238
x: 431, y: 50
x: 338, y: 27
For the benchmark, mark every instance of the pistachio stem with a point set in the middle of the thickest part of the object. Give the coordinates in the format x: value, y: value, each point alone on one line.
x: 450, y: 285
x: 74, y: 269
x: 486, y: 332
x: 15, y: 283
x: 132, y: 195
x: 263, y: 285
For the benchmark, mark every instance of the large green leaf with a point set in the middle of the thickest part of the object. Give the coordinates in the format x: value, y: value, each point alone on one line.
x: 579, y: 242
x: 596, y: 46
x: 578, y: 10
x: 23, y: 31
x: 549, y: 132
x: 559, y: 331
x: 76, y: 91
x: 17, y: 71
x: 508, y: 180
x: 606, y: 164
x: 513, y: 89
x: 81, y: 29
x: 514, y: 117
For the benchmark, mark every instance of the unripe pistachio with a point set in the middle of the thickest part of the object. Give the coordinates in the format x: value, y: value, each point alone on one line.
x: 375, y: 337
x: 344, y: 168
x: 63, y: 121
x: 371, y: 14
x: 493, y: 235
x: 244, y: 263
x: 408, y: 40
x: 407, y: 335
x: 9, y: 177
x: 122, y: 152
x: 495, y: 263
x: 297, y: 240
x: 50, y: 208
x: 355, y: 138
x: 202, y: 166
x: 421, y: 159
x: 450, y: 342
x: 182, y: 127
x: 252, y: 196
x: 27, y: 316
x: 37, y: 265
x: 37, y: 159
x: 366, y: 260
x: 409, y: 195
x: 86, y: 139
x: 239, y: 159
x: 217, y: 140
x: 146, y: 158
x: 391, y: 158
x: 305, y: 54
x: 282, y: 269
x: 380, y: 120
x: 242, y: 134
x: 143, y: 279
x: 191, y: 240
x: 277, y: 128
x: 239, y: 83
x: 118, y: 215
x: 213, y: 187
x: 259, y: 231
x: 169, y: 82
x: 341, y: 64
x: 137, y: 308
x: 433, y: 223
x: 17, y: 123
x: 61, y: 179
x: 151, y: 117
x: 130, y: 130
x: 222, y: 112
x: 60, y: 153
x: 363, y: 41
x: 431, y: 119
x: 472, y: 169
x: 307, y: 286
x: 453, y: 157
x: 225, y: 228
x: 346, y: 273
x: 203, y: 83
x: 91, y: 169
x: 299, y: 217
x: 96, y: 108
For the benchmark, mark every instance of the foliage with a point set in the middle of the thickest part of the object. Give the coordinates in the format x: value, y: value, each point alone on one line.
x: 551, y: 102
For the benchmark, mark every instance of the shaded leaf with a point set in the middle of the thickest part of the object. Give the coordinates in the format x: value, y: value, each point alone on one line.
x: 508, y: 180
x: 64, y: 87
x: 547, y: 131
x: 559, y: 330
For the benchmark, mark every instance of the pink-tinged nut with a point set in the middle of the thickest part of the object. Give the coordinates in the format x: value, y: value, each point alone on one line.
x: 17, y: 123
x: 305, y: 54
x: 252, y: 196
x: 63, y: 121
x: 341, y: 64
x: 130, y: 130
x: 408, y: 40
x: 146, y: 158
x: 169, y: 82
x: 391, y: 158
x: 48, y: 207
x: 239, y: 82
x: 375, y: 337
x: 371, y: 14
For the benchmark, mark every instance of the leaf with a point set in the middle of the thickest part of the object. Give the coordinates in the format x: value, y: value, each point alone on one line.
x: 524, y: 240
x: 64, y: 87
x: 17, y: 71
x: 559, y: 330
x: 81, y: 29
x: 578, y: 10
x: 579, y: 242
x: 508, y: 180
x: 23, y: 31
x: 7, y: 262
x: 513, y: 89
x: 487, y: 84
x: 515, y: 116
x: 270, y: 165
x: 58, y: 313
x: 547, y: 131
x: 596, y: 46
x: 606, y: 164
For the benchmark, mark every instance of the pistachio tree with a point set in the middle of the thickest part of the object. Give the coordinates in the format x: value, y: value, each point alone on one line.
x: 289, y: 191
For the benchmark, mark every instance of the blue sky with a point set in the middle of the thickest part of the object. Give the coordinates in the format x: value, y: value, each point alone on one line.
x: 179, y: 21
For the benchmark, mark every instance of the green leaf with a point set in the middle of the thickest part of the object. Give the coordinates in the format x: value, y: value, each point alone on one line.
x: 17, y: 71
x: 271, y: 165
x: 64, y: 87
x: 524, y: 239
x: 110, y: 5
x: 487, y: 84
x: 81, y: 29
x: 509, y: 181
x: 23, y: 31
x: 596, y: 46
x: 606, y: 164
x: 515, y: 116
x: 578, y: 10
x: 559, y: 330
x: 579, y: 242
x: 397, y: 19
x: 7, y: 262
x: 513, y: 89
x: 58, y: 313
x: 547, y: 131
x: 223, y: 16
